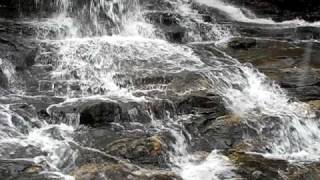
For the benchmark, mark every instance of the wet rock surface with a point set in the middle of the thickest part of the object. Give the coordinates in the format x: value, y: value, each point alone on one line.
x: 294, y: 66
x: 257, y: 167
x: 121, y: 171
x: 282, y: 10
x: 119, y: 137
x: 147, y: 151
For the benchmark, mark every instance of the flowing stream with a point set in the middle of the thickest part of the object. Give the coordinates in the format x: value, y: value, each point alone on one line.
x: 95, y: 59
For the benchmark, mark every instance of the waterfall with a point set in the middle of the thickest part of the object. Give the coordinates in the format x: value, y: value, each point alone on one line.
x: 108, y: 52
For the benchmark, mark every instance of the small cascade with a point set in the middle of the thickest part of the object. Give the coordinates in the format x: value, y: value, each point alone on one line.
x: 288, y: 127
x: 240, y: 15
x: 93, y: 18
x: 109, y: 65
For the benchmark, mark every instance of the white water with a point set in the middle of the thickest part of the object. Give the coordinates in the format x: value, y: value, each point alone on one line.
x: 97, y: 60
x: 19, y: 134
x: 133, y: 52
x: 238, y: 15
x: 216, y: 32
x: 293, y: 132
x: 92, y: 63
x: 214, y: 167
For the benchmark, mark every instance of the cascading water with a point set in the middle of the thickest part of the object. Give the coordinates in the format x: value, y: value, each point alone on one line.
x: 267, y: 108
x: 91, y: 64
x: 238, y: 14
x: 108, y: 55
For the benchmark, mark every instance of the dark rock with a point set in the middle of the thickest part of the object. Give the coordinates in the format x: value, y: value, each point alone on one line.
x: 17, y: 169
x: 293, y: 79
x: 211, y: 14
x: 164, y: 18
x: 292, y: 65
x: 3, y: 80
x: 18, y: 151
x: 308, y: 32
x: 242, y: 43
x: 27, y: 112
x: 108, y: 112
x: 279, y: 32
x: 282, y: 10
x: 162, y: 109
x: 26, y: 30
x: 169, y: 24
x: 19, y: 52
x: 101, y: 113
x: 160, y: 5
x: 97, y: 112
x: 215, y: 132
x: 306, y: 93
x: 41, y: 103
x: 16, y: 8
x: 257, y: 167
x: 116, y: 171
x: 270, y: 54
x: 212, y: 105
x: 17, y: 56
x: 100, y: 137
x: 143, y: 151
x: 223, y: 132
x: 92, y: 156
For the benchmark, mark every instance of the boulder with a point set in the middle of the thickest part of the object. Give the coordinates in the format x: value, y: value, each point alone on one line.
x: 142, y: 151
x: 222, y: 132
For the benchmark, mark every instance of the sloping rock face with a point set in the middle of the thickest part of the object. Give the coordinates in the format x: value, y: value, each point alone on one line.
x: 281, y: 10
x: 294, y: 66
